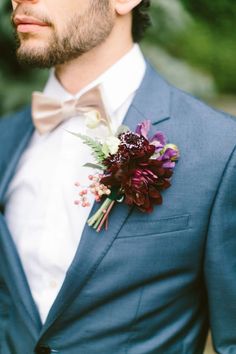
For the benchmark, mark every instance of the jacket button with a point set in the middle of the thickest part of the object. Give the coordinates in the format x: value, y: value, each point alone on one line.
x: 43, y: 350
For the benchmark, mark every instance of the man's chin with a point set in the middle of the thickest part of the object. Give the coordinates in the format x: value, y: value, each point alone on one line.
x: 33, y: 56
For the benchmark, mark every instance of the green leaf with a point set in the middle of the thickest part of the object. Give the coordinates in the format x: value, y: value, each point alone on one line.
x: 94, y: 165
x: 93, y: 144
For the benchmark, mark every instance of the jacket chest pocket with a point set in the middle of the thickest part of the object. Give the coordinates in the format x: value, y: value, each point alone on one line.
x: 139, y: 227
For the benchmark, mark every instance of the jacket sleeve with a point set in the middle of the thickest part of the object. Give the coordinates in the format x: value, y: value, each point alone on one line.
x: 220, y: 262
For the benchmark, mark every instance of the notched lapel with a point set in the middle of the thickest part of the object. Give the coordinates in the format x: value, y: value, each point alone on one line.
x: 15, y: 134
x: 16, y: 281
x: 14, y: 139
x: 152, y: 100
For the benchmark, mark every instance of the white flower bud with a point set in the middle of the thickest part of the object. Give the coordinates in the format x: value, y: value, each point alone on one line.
x: 92, y: 119
x: 111, y: 145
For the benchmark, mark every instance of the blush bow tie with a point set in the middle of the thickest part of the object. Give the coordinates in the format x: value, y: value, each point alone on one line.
x: 48, y: 113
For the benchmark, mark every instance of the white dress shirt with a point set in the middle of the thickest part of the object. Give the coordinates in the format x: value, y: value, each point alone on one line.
x: 45, y: 223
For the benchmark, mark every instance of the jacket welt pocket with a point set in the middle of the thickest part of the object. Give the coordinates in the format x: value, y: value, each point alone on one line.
x: 136, y: 228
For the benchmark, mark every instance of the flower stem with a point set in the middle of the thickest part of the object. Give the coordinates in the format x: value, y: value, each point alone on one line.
x: 98, y: 221
x: 100, y: 213
x: 105, y: 217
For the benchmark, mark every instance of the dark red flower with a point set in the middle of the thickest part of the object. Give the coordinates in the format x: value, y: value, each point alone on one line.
x: 135, y: 174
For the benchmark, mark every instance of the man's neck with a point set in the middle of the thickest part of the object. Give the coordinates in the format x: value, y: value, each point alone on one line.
x: 78, y: 73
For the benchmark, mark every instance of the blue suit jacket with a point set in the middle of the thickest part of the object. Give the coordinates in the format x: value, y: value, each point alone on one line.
x: 152, y: 283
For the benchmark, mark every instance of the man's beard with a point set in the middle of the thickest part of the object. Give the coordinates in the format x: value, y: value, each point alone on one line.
x: 82, y: 34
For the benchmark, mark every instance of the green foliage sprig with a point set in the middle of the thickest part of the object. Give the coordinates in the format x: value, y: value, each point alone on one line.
x: 96, y: 147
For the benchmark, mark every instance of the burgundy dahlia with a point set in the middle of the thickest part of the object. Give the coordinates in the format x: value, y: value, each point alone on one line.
x: 135, y: 174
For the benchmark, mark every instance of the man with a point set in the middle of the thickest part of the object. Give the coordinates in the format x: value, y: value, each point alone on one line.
x: 152, y: 283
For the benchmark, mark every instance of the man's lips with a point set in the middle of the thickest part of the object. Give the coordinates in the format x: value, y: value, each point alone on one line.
x: 28, y: 24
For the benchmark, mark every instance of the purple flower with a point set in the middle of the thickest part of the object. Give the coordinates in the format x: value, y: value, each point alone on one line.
x: 159, y: 140
x: 169, y: 155
x: 143, y: 128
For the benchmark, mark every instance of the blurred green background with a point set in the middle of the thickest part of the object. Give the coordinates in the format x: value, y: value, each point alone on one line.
x: 192, y: 43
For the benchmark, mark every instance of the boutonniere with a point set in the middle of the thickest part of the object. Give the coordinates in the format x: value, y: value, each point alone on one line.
x: 130, y: 168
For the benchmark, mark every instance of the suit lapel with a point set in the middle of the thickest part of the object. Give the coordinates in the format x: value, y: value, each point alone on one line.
x: 16, y: 281
x: 14, y: 141
x: 152, y: 101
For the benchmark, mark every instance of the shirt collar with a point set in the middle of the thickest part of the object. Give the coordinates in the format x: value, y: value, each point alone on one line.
x: 117, y: 83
